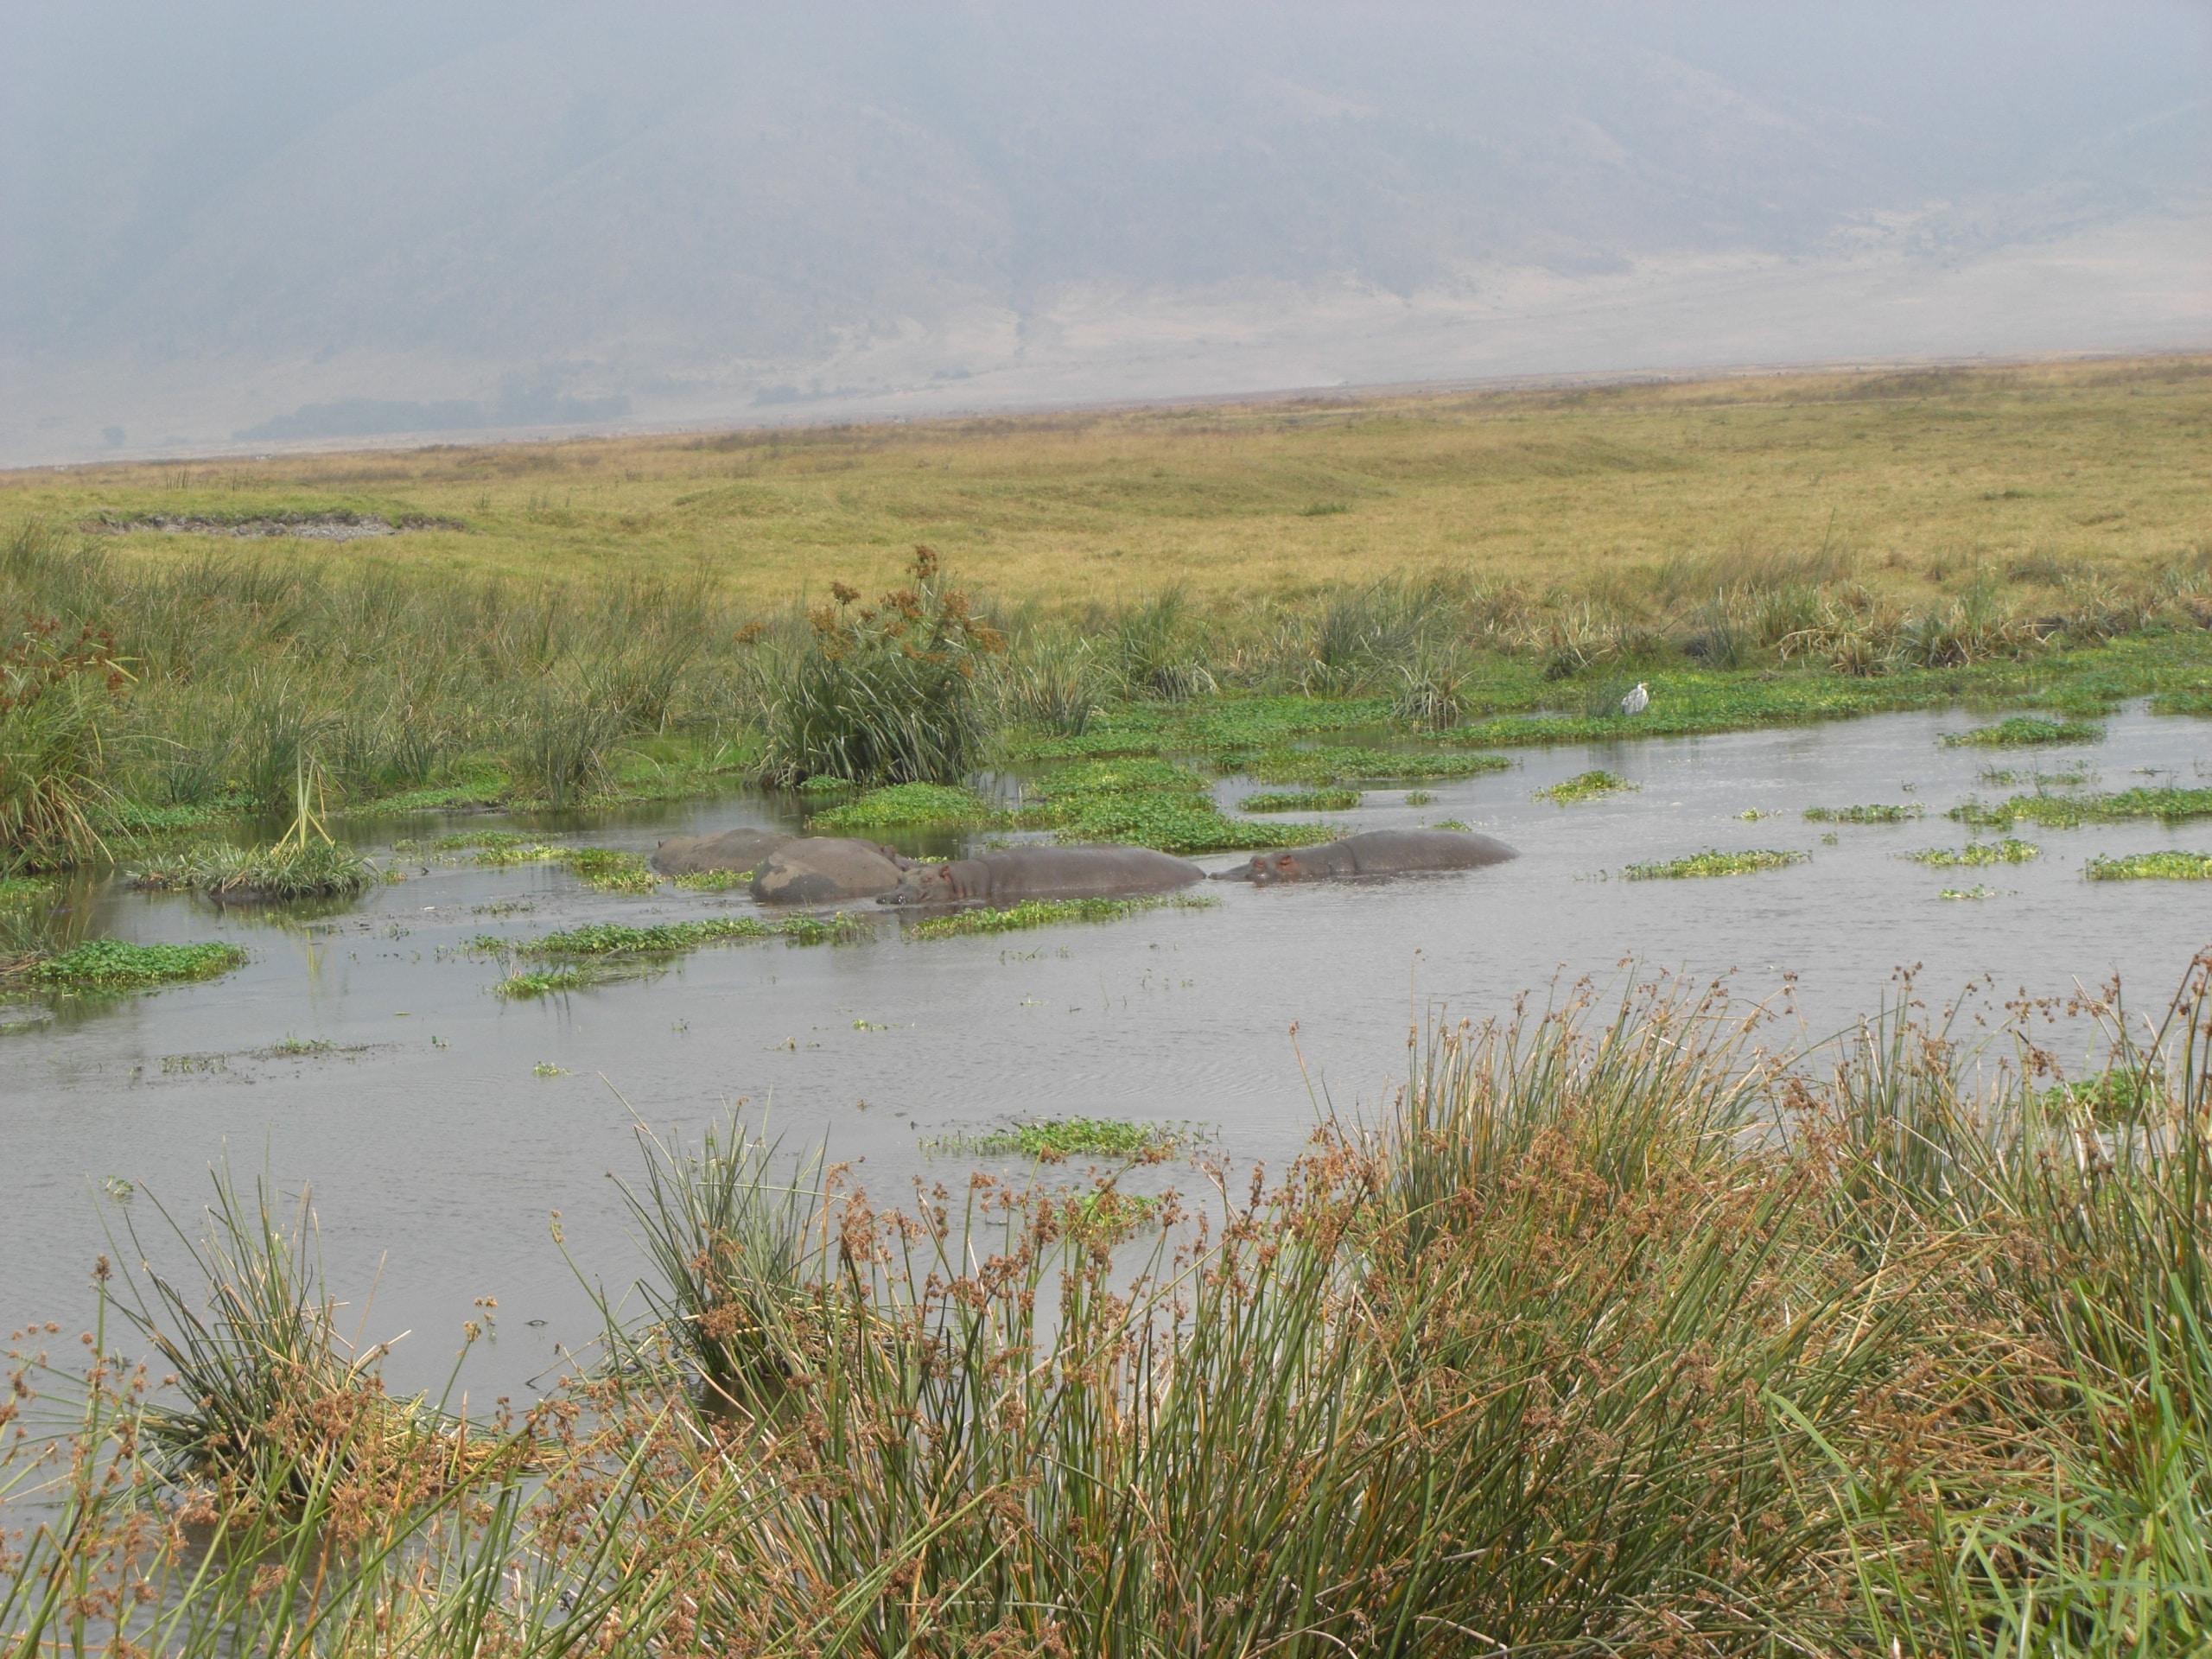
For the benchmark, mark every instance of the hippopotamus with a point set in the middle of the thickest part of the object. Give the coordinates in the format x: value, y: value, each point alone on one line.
x: 828, y: 870
x: 1012, y: 874
x: 1377, y: 852
x: 733, y: 849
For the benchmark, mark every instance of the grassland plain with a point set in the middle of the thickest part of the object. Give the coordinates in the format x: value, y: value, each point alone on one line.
x: 1924, y: 474
x: 168, y: 685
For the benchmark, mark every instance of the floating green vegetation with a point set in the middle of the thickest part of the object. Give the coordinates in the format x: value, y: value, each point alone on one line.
x: 610, y: 871
x: 1150, y: 803
x: 1300, y: 800
x: 2025, y: 731
x: 1978, y: 891
x: 1052, y: 1140
x: 1713, y: 862
x: 903, y: 805
x: 1976, y: 853
x: 1904, y: 814
x: 547, y: 1069
x: 2068, y: 812
x: 1448, y: 824
x: 1350, y: 766
x: 602, y: 867
x: 525, y: 985
x: 319, y: 869
x: 116, y: 965
x: 607, y: 942
x: 714, y: 881
x: 1046, y: 912
x: 1586, y: 787
x: 605, y: 939
x: 1418, y: 798
x: 2071, y: 776
x: 2171, y: 865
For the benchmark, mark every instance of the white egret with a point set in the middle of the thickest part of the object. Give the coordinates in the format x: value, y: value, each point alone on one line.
x: 1637, y: 700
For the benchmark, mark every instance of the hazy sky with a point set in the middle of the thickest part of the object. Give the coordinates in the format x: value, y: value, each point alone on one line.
x: 246, y: 225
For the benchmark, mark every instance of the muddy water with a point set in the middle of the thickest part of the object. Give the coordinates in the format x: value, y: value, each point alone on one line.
x: 437, y: 1151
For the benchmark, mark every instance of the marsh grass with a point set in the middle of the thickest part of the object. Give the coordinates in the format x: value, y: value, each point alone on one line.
x: 1326, y: 764
x: 714, y: 881
x: 1585, y: 786
x: 607, y: 869
x: 1300, y: 800
x: 1715, y: 863
x: 1047, y: 912
x: 602, y: 953
x: 2169, y: 865
x: 1978, y: 891
x: 1892, y: 813
x: 119, y: 965
x: 1611, y: 1334
x: 2023, y: 731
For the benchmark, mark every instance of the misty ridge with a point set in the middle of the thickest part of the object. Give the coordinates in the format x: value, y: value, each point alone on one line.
x: 257, y: 225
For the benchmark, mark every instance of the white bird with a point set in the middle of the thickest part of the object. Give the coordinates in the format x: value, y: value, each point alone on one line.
x: 1637, y: 700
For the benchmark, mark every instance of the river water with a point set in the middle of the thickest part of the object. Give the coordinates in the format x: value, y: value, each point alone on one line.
x: 443, y: 1127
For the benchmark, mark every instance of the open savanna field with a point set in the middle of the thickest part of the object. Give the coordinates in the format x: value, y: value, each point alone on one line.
x: 1921, y: 478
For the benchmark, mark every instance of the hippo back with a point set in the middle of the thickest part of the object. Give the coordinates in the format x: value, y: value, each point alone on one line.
x: 827, y: 870
x: 1014, y: 874
x: 733, y: 849
x: 1406, y: 852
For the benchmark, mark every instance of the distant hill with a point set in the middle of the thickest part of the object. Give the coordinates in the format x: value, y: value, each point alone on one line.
x: 241, y: 225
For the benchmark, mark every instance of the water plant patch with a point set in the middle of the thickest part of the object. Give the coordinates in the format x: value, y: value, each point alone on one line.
x: 1053, y: 1141
x: 714, y: 881
x: 1350, y: 766
x: 1047, y: 912
x: 1713, y: 862
x: 2170, y: 865
x: 908, y: 805
x: 2024, y: 731
x: 1300, y: 800
x: 1977, y: 853
x: 2069, y: 811
x: 1904, y: 814
x: 1586, y: 787
x: 117, y: 965
x: 1978, y: 891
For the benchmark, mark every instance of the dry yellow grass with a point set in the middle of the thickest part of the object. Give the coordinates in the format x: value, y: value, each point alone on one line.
x: 1919, y: 476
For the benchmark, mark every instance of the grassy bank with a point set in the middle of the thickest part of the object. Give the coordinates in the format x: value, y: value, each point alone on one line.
x: 167, y: 684
x: 1571, y: 1352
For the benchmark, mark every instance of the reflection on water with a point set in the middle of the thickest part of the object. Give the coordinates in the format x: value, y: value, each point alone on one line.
x: 442, y: 1127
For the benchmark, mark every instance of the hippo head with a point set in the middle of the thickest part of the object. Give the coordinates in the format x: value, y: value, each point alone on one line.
x: 921, y: 884
x: 1267, y: 868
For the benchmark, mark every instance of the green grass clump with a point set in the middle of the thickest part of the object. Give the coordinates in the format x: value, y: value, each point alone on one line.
x: 1152, y: 803
x: 1300, y: 800
x: 2069, y: 811
x: 1586, y: 787
x: 1715, y: 863
x: 1045, y: 912
x: 2022, y: 731
x: 714, y: 881
x: 1978, y: 891
x: 116, y: 965
x: 1418, y: 798
x: 2007, y: 851
x: 1360, y: 765
x: 2169, y: 865
x: 524, y: 986
x: 317, y: 869
x: 609, y: 871
x: 906, y: 806
x: 1904, y: 814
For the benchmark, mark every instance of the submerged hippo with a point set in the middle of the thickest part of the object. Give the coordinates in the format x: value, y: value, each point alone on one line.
x: 828, y: 870
x: 1378, y: 852
x: 1014, y: 874
x: 735, y: 849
